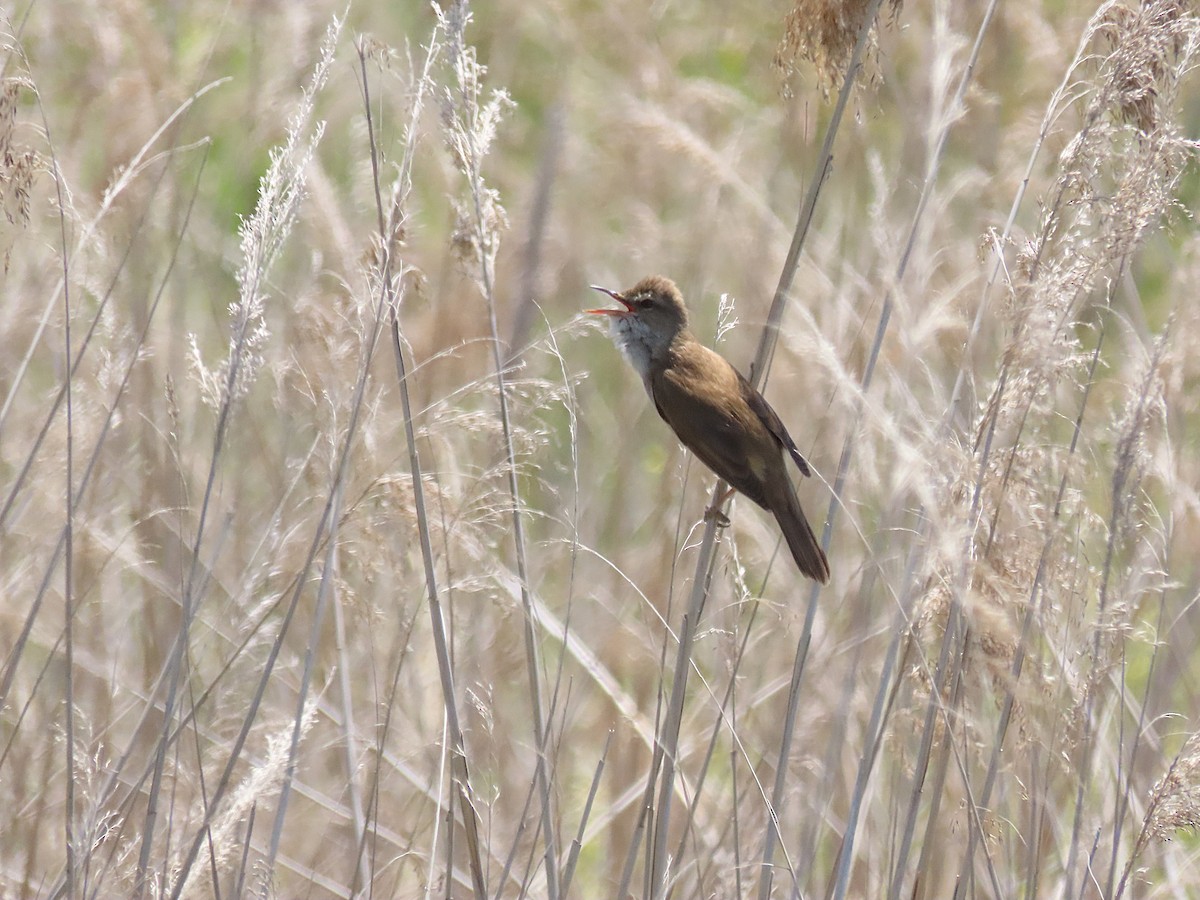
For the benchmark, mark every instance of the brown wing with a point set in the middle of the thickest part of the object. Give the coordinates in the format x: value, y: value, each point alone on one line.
x: 763, y: 410
x: 717, y: 415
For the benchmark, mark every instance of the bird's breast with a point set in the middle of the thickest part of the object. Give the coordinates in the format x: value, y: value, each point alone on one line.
x: 633, y: 345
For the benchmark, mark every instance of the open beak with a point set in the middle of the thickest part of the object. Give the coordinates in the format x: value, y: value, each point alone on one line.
x: 627, y: 311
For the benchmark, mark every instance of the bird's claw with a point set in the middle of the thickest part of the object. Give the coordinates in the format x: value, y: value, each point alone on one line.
x: 714, y: 514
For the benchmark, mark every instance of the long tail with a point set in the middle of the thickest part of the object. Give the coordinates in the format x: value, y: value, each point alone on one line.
x: 799, y: 534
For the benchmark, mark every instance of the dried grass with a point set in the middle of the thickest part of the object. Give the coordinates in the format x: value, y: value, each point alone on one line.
x: 343, y: 628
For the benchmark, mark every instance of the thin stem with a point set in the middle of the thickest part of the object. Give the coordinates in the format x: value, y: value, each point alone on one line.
x: 762, y: 363
x: 388, y: 295
x: 486, y: 241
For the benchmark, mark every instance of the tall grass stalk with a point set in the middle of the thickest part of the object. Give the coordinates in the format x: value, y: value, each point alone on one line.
x: 389, y: 229
x: 470, y: 129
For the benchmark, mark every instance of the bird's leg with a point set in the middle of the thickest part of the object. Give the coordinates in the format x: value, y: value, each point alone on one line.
x: 714, y: 511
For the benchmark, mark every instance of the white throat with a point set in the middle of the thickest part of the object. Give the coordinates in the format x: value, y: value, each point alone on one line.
x: 638, y: 343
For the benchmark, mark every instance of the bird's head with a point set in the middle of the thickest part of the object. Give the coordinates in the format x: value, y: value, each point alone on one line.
x: 651, y: 316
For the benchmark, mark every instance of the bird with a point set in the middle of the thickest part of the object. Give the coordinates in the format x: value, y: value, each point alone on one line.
x: 713, y: 410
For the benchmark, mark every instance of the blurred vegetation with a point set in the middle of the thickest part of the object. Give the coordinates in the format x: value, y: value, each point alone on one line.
x: 248, y: 698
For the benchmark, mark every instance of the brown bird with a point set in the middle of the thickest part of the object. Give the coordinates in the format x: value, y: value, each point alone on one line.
x: 712, y: 409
